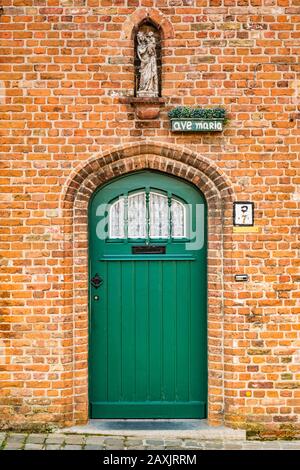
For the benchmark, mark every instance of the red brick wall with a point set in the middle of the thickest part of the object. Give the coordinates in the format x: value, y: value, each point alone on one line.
x: 64, y: 67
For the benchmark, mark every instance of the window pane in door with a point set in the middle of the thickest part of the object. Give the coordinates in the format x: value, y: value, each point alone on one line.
x: 116, y: 219
x: 137, y: 216
x: 159, y: 216
x: 178, y: 219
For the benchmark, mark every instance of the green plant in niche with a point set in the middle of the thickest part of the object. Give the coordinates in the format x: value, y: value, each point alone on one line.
x: 185, y: 112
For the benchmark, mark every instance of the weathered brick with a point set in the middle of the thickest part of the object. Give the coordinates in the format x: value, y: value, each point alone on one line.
x: 65, y: 130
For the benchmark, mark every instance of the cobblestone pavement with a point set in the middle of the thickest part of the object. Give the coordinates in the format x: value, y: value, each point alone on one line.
x: 22, y: 441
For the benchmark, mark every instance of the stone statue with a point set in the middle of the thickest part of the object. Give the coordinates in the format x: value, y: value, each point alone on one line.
x: 146, y: 51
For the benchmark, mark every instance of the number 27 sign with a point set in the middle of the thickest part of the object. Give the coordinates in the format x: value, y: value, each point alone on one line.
x: 243, y: 213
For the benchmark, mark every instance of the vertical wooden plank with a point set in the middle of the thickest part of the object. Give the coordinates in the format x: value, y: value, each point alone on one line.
x: 98, y: 348
x: 169, y: 330
x: 201, y: 300
x: 114, y: 331
x: 128, y: 331
x: 142, y: 330
x: 196, y: 345
x: 155, y: 329
x: 183, y: 297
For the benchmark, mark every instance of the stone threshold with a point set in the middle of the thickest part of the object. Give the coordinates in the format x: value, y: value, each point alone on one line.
x: 157, y: 428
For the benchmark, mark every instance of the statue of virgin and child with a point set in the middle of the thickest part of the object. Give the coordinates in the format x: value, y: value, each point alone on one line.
x: 146, y: 51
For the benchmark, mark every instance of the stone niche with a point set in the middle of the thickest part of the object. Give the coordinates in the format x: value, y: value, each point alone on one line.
x: 147, y: 99
x: 151, y: 38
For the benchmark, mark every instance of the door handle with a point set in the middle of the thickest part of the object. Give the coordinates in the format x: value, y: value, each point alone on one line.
x: 96, y: 281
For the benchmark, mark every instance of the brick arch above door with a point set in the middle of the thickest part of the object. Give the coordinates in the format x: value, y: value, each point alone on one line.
x: 90, y: 175
x: 176, y: 160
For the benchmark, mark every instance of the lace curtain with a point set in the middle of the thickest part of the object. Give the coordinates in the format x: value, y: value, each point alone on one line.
x: 166, y: 217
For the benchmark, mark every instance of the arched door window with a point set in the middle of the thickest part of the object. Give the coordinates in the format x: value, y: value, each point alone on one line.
x: 147, y: 214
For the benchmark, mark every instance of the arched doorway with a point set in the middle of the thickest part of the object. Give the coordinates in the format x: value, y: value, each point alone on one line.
x: 100, y: 169
x: 148, y: 299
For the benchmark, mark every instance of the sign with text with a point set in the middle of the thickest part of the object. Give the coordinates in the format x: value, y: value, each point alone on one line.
x: 243, y: 213
x: 197, y: 125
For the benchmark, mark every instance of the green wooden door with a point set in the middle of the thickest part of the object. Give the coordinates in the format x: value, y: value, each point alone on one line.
x: 148, y: 345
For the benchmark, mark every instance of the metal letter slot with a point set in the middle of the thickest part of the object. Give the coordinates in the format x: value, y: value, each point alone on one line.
x: 149, y: 250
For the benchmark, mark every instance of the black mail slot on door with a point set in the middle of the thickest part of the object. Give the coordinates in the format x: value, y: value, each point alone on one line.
x: 149, y: 250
